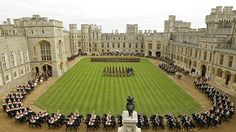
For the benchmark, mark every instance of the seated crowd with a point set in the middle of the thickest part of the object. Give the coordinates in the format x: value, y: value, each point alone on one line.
x: 118, y: 71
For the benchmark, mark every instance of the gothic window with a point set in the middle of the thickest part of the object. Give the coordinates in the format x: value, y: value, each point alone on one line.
x: 45, y: 51
x: 158, y: 46
x: 149, y: 46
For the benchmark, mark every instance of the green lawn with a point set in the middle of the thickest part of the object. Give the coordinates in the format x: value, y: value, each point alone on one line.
x: 84, y: 88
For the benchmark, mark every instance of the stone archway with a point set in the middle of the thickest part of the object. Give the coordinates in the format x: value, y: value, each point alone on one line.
x: 158, y: 54
x: 149, y: 53
x: 227, y: 77
x: 203, y: 70
x: 36, y: 70
x: 79, y: 51
x: 47, y: 69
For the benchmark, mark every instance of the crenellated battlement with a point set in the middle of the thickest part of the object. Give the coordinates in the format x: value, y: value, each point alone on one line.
x: 37, y: 21
x: 219, y: 14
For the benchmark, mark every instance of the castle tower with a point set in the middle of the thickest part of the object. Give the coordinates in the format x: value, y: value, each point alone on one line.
x: 45, y: 44
x: 132, y: 29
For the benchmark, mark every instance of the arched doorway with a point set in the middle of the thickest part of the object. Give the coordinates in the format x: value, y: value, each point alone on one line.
x: 149, y: 53
x: 203, y: 70
x: 190, y: 63
x: 79, y: 51
x: 227, y: 77
x: 61, y: 67
x: 158, y: 54
x: 47, y: 69
x: 36, y: 70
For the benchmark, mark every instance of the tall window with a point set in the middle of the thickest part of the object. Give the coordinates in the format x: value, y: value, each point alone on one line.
x: 45, y: 51
x: 205, y: 55
x: 129, y: 45
x: 34, y: 51
x: 195, y: 53
x: 191, y: 51
x: 4, y: 64
x: 210, y: 57
x: 221, y: 59
x: 230, y: 61
x: 12, y: 59
x: 20, y: 57
x: 136, y: 45
x: 158, y: 46
x: 149, y: 46
x: 123, y: 45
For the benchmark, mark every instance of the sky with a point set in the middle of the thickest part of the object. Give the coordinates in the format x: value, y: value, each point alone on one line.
x: 114, y: 14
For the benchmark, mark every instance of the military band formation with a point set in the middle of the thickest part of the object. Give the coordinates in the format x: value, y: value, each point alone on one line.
x: 118, y: 72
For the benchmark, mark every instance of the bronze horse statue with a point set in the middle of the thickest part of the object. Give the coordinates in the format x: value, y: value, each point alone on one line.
x: 130, y: 105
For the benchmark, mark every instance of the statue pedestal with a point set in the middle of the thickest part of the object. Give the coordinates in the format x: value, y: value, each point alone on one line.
x: 129, y: 123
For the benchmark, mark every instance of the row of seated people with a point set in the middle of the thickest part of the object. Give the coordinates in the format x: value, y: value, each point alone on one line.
x: 167, y: 68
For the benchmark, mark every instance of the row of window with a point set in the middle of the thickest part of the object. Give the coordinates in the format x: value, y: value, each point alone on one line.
x: 198, y: 54
x: 107, y: 50
x: 22, y: 71
x: 20, y: 57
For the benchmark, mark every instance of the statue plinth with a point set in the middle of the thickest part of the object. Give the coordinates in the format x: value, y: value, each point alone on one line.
x: 129, y: 122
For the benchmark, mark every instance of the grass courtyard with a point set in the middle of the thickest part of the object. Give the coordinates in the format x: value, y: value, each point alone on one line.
x: 84, y: 88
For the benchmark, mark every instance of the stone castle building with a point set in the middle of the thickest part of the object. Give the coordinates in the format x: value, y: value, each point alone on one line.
x: 35, y: 44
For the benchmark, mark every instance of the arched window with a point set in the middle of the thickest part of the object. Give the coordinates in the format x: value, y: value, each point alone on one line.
x: 45, y: 50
